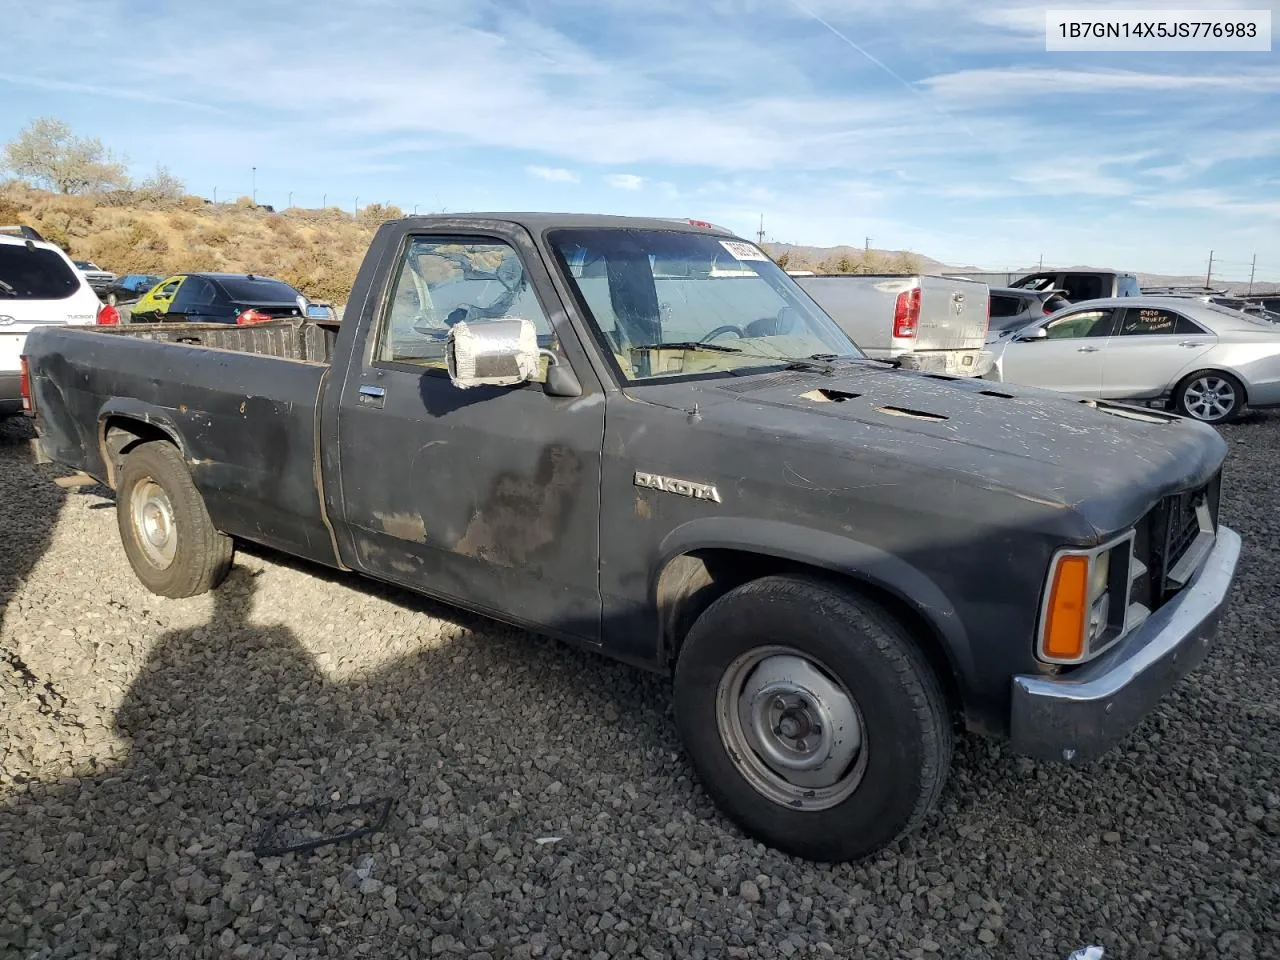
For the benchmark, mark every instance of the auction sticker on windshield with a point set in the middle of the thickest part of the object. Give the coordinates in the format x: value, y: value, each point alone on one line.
x: 743, y: 251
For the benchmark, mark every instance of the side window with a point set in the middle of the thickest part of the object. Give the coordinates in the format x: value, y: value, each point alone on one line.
x: 1156, y: 321
x: 1086, y: 323
x: 1083, y: 288
x: 444, y: 280
x: 168, y: 289
x: 194, y: 294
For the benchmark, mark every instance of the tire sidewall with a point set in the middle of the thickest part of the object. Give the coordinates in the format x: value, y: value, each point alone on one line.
x: 1236, y: 386
x: 160, y: 463
x: 851, y: 645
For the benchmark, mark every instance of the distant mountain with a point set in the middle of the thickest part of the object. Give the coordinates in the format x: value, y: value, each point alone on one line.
x: 801, y: 257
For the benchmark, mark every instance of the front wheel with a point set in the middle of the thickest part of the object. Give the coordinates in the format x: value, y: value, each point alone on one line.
x: 812, y: 718
x: 1210, y: 396
x: 168, y: 537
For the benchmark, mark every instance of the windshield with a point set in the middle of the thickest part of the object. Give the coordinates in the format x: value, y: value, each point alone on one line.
x: 667, y: 303
x: 37, y: 274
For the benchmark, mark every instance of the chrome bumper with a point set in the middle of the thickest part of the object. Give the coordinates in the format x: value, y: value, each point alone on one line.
x: 1084, y: 714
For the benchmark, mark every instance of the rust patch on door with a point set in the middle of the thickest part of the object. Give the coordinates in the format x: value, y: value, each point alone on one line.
x: 405, y: 526
x: 522, y: 514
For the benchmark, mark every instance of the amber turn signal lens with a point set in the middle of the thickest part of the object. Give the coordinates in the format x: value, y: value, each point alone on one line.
x: 1068, y: 611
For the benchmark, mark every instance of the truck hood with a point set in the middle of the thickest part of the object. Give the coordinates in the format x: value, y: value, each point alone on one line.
x: 1108, y: 461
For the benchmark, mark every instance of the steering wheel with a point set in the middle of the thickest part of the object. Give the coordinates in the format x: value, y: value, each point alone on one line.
x: 725, y: 328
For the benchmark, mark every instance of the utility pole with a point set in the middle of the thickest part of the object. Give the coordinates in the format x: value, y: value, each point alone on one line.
x: 290, y: 199
x: 324, y: 200
x: 357, y: 204
x: 415, y: 209
x: 215, y: 194
x: 255, y: 186
x: 1252, y: 269
x: 867, y: 247
x: 1041, y: 267
x: 760, y: 232
x: 1209, y: 273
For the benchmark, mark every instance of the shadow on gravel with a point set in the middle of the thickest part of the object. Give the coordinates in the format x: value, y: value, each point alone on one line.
x: 29, y: 507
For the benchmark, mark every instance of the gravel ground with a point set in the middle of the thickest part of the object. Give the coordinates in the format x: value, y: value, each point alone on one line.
x: 144, y: 743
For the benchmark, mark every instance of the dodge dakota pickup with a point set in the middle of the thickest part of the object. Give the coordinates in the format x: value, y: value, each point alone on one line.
x: 599, y: 429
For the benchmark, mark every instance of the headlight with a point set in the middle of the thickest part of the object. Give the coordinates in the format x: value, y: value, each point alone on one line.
x: 1079, y: 618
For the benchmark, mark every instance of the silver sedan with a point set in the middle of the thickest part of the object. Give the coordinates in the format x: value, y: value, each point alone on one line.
x: 1201, y: 359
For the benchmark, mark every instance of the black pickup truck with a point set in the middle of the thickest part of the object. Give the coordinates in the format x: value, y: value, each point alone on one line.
x: 641, y: 436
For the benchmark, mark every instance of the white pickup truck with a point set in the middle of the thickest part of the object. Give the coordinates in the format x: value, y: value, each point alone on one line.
x: 935, y: 324
x: 39, y: 285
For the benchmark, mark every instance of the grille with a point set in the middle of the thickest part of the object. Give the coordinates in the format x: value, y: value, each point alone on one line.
x: 1164, y: 536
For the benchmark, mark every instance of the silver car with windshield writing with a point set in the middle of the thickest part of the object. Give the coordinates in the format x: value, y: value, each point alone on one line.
x: 1201, y: 359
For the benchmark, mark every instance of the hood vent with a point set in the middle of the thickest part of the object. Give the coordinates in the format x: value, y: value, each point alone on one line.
x: 913, y: 414
x: 827, y: 395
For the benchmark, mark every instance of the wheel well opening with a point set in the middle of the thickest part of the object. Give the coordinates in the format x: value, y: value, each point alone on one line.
x: 691, y: 582
x: 122, y: 434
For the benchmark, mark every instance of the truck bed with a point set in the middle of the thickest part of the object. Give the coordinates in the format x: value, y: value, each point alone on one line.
x: 98, y: 388
x: 296, y: 339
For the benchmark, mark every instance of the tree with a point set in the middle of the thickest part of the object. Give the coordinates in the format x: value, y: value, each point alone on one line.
x: 162, y: 185
x: 48, y: 153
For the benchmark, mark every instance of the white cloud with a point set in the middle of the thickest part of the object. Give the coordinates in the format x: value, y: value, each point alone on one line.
x: 1021, y: 84
x: 624, y: 181
x: 553, y: 174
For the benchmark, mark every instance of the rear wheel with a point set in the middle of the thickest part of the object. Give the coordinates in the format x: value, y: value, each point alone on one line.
x: 812, y: 718
x: 1210, y: 396
x: 168, y: 537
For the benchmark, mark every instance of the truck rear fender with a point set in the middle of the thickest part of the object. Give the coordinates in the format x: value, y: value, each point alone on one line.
x: 704, y: 559
x: 123, y: 423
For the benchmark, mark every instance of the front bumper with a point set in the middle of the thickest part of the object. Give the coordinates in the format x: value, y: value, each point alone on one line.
x: 1084, y: 714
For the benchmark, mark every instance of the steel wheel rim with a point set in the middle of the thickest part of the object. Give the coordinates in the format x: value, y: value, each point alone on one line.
x: 153, y: 522
x: 1209, y: 398
x: 791, y: 728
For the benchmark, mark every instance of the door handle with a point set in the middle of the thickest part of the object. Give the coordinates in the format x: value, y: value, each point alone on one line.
x: 1188, y: 343
x: 1086, y: 349
x: 371, y: 396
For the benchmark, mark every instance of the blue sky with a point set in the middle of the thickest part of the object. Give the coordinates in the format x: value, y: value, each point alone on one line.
x: 940, y: 127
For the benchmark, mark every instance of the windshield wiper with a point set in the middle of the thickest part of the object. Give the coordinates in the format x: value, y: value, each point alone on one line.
x: 687, y: 345
x: 5, y: 288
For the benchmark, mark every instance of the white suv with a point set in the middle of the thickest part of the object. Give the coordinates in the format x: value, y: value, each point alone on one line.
x: 38, y: 285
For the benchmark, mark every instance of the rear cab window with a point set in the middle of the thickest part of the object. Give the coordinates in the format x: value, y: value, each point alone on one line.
x: 38, y: 274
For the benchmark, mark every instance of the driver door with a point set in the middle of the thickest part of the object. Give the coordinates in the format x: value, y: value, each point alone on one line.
x: 1068, y: 358
x: 488, y: 496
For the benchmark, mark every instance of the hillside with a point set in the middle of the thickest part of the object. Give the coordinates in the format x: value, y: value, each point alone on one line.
x: 129, y: 231
x: 317, y: 251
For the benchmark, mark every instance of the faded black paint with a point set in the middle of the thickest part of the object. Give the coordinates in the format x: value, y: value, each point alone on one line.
x: 523, y: 506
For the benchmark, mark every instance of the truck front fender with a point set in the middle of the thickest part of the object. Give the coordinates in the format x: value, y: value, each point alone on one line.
x: 831, y: 553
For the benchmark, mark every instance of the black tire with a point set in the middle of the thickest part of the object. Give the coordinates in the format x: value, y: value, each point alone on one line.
x: 903, y: 710
x: 1186, y: 401
x: 200, y: 556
